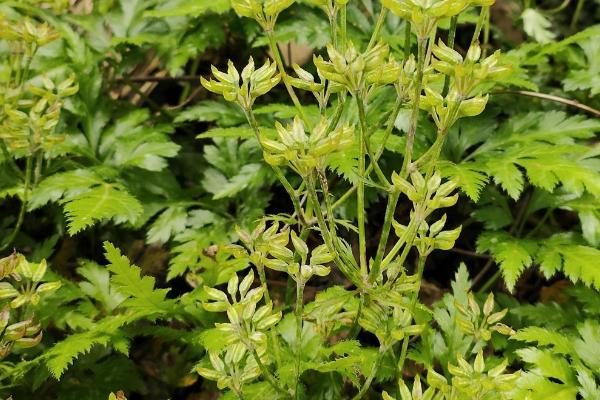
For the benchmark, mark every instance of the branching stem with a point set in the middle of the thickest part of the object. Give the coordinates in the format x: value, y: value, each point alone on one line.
x: 413, y: 305
x: 410, y: 138
x: 24, y: 203
x: 286, y: 82
x: 360, y: 203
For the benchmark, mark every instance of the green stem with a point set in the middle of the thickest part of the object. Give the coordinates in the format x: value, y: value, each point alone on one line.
x: 330, y: 215
x: 285, y: 79
x: 402, y: 240
x: 387, y: 224
x: 187, y: 86
x: 363, y: 390
x: 422, y: 42
x: 378, y: 26
x: 314, y: 198
x: 411, y: 234
x: 343, y: 33
x: 490, y: 282
x: 388, y: 131
x: 541, y: 223
x: 576, y: 14
x: 298, y: 312
x: 7, y: 156
x: 333, y: 27
x: 382, y: 178
x: 480, y: 21
x: 360, y: 203
x: 39, y: 159
x: 451, y: 39
x: 278, y: 172
x: 24, y: 202
x: 413, y: 305
x: 263, y: 283
x: 407, y: 46
x: 486, y: 35
x: 265, y: 371
x: 337, y: 114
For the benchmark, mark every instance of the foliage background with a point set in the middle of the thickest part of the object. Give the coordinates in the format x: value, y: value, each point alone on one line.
x: 154, y: 164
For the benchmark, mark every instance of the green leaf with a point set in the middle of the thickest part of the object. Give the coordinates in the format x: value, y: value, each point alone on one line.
x: 587, y: 78
x: 507, y: 175
x: 107, y: 201
x: 141, y: 294
x: 62, y: 184
x: 97, y: 285
x: 588, y: 387
x: 577, y: 261
x: 588, y: 347
x: 544, y: 145
x: 59, y: 357
x: 544, y: 337
x: 216, y: 183
x: 224, y: 114
x: 170, y: 222
x: 547, y: 364
x: 537, y: 26
x: 469, y: 175
x: 512, y: 255
x: 190, y: 8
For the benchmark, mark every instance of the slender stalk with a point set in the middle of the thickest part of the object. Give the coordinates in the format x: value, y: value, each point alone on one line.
x: 186, y: 85
x: 413, y: 304
x: 422, y: 44
x: 385, y: 231
x: 298, y: 312
x: 314, y: 198
x: 480, y: 21
x: 382, y: 178
x: 490, y: 282
x: 24, y: 202
x: 265, y: 371
x: 547, y: 215
x: 343, y: 23
x: 330, y: 215
x: 411, y: 234
x: 333, y: 28
x: 7, y: 156
x: 337, y: 114
x: 278, y: 172
x: 407, y: 46
x: 401, y: 241
x: 576, y: 14
x: 378, y: 26
x: 388, y: 131
x: 284, y: 78
x: 486, y: 35
x: 363, y: 390
x: 39, y: 159
x: 551, y: 97
x: 360, y: 203
x: 451, y: 39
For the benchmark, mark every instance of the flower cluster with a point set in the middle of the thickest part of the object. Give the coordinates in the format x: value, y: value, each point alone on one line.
x: 304, y: 152
x: 25, y: 289
x: 254, y: 82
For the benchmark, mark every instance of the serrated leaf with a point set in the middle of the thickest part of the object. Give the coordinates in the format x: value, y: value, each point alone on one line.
x: 537, y: 26
x: 545, y: 337
x: 469, y: 176
x: 59, y: 357
x: 170, y: 222
x: 140, y: 291
x: 103, y: 202
x: 512, y: 255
